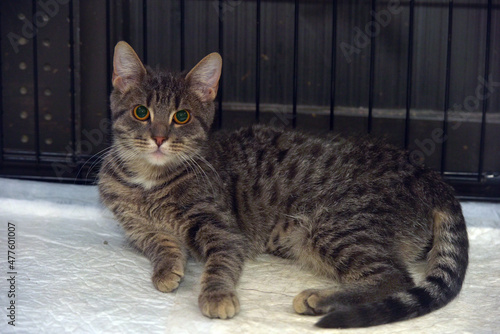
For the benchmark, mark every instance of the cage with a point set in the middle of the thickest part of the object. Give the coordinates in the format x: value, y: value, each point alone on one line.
x: 423, y: 74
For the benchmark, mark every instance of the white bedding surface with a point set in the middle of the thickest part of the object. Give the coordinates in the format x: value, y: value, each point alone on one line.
x: 76, y: 273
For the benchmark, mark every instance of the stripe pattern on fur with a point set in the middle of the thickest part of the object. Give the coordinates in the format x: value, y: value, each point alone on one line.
x: 356, y: 211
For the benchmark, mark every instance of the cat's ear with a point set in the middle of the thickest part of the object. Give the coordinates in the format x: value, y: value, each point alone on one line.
x: 128, y: 70
x: 204, y: 77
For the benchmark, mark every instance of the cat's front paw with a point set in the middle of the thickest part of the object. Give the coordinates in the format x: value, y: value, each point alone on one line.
x: 219, y: 304
x: 167, y: 280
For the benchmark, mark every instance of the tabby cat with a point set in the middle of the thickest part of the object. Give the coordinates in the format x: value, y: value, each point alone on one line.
x: 357, y: 211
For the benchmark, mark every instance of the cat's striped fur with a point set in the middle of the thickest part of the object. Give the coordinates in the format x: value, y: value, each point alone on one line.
x: 356, y: 211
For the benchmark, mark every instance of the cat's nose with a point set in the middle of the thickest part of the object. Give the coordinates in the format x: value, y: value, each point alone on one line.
x: 159, y: 140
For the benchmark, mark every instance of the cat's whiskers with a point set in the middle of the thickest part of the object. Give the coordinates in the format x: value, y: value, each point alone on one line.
x: 185, y: 162
x: 196, y: 166
x: 123, y: 157
x: 100, y: 156
x: 109, y: 161
x: 199, y: 156
x: 189, y: 156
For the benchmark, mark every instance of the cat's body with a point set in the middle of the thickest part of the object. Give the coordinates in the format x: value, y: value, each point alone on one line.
x: 356, y: 211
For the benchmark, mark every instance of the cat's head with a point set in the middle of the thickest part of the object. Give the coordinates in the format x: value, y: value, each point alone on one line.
x: 161, y: 118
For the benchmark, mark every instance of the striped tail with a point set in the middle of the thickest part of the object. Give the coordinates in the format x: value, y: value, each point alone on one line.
x: 445, y: 272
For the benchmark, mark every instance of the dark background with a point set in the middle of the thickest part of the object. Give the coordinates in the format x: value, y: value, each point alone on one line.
x: 413, y: 72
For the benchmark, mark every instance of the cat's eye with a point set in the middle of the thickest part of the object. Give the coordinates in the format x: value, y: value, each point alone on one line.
x: 182, y: 117
x: 141, y: 113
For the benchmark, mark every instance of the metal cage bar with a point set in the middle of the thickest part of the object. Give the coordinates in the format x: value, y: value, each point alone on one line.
x: 35, y: 90
x: 295, y: 62
x: 145, y: 29
x: 485, y: 101
x: 221, y: 51
x: 74, y: 42
x: 1, y: 98
x: 447, y: 86
x: 371, y: 80
x: 409, y: 73
x: 109, y: 62
x: 333, y: 74
x: 257, y: 62
x: 183, y: 34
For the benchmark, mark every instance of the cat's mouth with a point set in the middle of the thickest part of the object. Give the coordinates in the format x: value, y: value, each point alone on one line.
x: 158, y: 157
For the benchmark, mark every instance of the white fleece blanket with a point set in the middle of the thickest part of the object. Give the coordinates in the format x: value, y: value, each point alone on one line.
x: 76, y: 273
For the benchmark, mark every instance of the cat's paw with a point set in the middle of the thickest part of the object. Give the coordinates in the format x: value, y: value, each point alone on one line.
x: 167, y: 280
x: 311, y: 302
x: 219, y: 304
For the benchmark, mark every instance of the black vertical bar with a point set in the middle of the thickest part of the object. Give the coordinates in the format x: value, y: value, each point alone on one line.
x: 485, y: 101
x: 35, y: 88
x: 145, y: 29
x: 1, y: 96
x: 257, y: 65
x: 183, y: 35
x: 125, y: 16
x: 109, y: 53
x: 72, y: 80
x: 74, y: 55
x: 447, y: 86
x: 333, y: 65
x: 221, y: 51
x: 372, y: 75
x: 295, y: 62
x: 409, y: 72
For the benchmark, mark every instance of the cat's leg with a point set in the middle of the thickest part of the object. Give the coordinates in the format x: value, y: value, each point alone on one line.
x: 168, y: 261
x: 360, y: 258
x: 224, y: 253
x: 165, y: 252
x: 218, y: 298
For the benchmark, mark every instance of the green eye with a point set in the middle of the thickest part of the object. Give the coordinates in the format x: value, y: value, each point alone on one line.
x: 182, y: 117
x: 141, y: 113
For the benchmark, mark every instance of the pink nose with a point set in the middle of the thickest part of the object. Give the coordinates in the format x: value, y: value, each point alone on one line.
x: 159, y: 140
